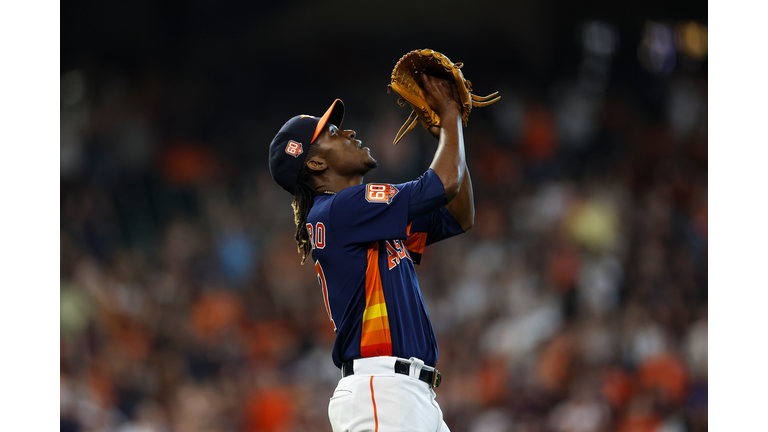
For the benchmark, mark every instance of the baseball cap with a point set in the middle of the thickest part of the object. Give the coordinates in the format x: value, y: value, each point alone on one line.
x: 289, y: 147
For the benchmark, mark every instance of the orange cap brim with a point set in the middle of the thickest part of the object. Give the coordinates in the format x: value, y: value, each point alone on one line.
x: 334, y: 114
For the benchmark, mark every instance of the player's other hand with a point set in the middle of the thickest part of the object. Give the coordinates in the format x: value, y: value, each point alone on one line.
x: 441, y: 95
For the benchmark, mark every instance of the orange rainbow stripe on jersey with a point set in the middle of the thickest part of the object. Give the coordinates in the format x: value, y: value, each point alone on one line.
x: 415, y: 241
x: 376, y: 339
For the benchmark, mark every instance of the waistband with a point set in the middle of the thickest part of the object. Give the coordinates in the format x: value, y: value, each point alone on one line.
x: 383, y: 365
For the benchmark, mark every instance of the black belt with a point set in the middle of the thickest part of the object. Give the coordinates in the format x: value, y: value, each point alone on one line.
x: 427, y: 374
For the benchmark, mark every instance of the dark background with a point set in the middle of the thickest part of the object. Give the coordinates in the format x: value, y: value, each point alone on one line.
x: 577, y: 302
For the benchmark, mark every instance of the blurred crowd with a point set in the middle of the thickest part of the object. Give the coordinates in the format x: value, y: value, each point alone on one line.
x: 577, y: 303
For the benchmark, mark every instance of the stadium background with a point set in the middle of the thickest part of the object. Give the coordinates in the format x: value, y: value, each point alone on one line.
x: 578, y: 302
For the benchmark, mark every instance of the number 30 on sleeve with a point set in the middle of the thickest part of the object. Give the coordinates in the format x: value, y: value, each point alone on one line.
x: 316, y: 235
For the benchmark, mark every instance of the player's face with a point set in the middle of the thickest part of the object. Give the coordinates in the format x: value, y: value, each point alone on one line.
x: 343, y: 152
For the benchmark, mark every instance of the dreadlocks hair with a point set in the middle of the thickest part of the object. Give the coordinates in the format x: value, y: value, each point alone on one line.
x: 304, y: 194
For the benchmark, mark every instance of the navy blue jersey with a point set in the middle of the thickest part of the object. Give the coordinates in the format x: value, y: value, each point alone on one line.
x: 365, y: 242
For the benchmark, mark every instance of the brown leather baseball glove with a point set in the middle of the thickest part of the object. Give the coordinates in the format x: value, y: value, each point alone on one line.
x: 405, y: 82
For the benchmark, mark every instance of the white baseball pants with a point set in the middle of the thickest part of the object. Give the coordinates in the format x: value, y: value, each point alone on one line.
x: 377, y: 399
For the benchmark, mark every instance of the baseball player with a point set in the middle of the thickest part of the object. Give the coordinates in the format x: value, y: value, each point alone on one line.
x: 365, y: 240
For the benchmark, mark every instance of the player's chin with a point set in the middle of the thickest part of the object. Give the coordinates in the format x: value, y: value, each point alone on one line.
x: 371, y: 163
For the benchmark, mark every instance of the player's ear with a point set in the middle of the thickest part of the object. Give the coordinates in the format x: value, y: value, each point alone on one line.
x: 317, y: 164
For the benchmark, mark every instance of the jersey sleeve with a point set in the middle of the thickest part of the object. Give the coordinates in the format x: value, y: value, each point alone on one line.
x: 382, y: 211
x: 431, y: 228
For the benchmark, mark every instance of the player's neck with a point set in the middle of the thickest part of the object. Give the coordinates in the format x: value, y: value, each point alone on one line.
x: 335, y: 183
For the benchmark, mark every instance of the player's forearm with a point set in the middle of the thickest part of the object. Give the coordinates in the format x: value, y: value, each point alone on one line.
x: 463, y: 206
x: 449, y: 162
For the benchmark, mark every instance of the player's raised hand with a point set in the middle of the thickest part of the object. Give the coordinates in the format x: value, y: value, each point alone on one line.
x: 441, y: 95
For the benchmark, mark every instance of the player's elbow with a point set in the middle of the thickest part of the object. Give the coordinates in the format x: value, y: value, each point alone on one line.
x: 468, y: 223
x: 467, y: 220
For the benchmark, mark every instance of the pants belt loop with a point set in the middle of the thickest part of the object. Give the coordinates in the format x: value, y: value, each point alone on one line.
x: 416, y: 366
